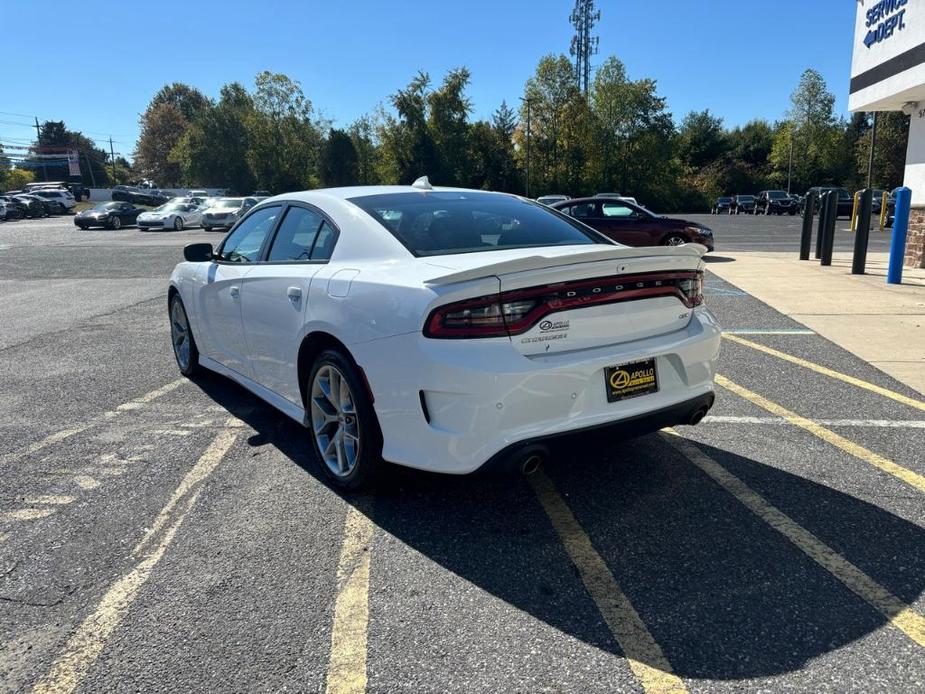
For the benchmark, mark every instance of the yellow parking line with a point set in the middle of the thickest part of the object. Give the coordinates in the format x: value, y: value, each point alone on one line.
x: 59, y: 436
x: 645, y: 657
x: 899, y: 614
x: 858, y: 451
x: 831, y: 373
x: 85, y: 645
x: 26, y: 514
x: 346, y: 672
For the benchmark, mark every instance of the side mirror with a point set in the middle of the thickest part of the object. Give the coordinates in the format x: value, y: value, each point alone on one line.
x: 198, y: 252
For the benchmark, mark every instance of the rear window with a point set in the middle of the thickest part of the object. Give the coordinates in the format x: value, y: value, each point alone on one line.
x: 777, y: 194
x: 444, y: 222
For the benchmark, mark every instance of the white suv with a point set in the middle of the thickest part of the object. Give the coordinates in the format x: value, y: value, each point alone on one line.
x: 62, y: 199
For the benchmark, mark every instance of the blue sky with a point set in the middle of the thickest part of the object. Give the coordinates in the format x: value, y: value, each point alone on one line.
x: 739, y: 59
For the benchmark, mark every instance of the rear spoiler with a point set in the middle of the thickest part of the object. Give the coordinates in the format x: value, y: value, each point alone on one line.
x: 538, y: 262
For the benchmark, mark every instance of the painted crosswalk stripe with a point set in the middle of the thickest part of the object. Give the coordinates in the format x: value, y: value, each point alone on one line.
x: 831, y: 373
x: 346, y: 673
x: 898, y: 613
x: 645, y: 656
x: 84, y: 646
x: 911, y: 478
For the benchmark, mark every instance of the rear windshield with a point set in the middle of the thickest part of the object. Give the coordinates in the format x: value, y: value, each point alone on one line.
x: 777, y: 194
x: 444, y: 223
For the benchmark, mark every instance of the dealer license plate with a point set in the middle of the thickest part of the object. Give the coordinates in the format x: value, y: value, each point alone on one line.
x: 630, y: 380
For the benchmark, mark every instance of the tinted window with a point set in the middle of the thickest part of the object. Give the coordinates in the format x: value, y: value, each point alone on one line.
x: 296, y: 235
x: 581, y: 211
x: 324, y: 243
x: 444, y: 222
x: 244, y: 243
x: 616, y: 209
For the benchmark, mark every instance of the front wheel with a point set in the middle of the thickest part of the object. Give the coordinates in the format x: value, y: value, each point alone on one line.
x: 675, y: 240
x: 184, y: 346
x: 115, y: 223
x: 207, y: 228
x: 344, y: 431
x: 178, y: 224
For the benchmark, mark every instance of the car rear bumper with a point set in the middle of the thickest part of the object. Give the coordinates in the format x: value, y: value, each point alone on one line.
x: 452, y: 405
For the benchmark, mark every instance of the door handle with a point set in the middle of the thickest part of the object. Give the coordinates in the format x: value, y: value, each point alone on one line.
x: 235, y: 292
x: 294, y: 293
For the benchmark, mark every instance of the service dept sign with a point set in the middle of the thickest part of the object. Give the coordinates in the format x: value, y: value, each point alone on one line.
x: 883, y: 20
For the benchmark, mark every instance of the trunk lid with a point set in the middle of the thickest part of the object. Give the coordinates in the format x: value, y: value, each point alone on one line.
x: 591, y: 298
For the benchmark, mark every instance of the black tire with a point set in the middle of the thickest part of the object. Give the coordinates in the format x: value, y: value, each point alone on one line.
x: 115, y: 223
x: 192, y: 366
x: 83, y: 226
x: 178, y: 224
x: 207, y: 228
x: 674, y: 240
x: 369, y: 458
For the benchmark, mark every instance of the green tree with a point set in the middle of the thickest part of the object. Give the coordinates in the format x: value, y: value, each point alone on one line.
x: 448, y: 125
x: 213, y: 151
x: 189, y: 101
x: 889, y: 154
x: 701, y: 138
x: 284, y: 140
x: 363, y: 136
x: 338, y: 165
x: 408, y: 149
x: 15, y: 179
x: 162, y: 128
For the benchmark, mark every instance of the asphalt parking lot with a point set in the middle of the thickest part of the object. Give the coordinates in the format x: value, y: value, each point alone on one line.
x: 163, y: 535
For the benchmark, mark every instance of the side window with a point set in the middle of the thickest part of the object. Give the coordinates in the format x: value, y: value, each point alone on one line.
x: 296, y: 235
x: 324, y: 244
x: 615, y: 209
x: 582, y: 211
x: 244, y: 243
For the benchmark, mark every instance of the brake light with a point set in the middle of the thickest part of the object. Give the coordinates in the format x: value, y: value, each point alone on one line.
x: 515, y: 312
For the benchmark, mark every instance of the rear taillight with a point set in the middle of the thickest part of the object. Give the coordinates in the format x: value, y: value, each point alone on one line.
x: 516, y: 312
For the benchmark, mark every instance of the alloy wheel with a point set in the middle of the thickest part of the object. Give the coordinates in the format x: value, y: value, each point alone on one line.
x: 179, y: 332
x: 335, y: 425
x: 675, y: 241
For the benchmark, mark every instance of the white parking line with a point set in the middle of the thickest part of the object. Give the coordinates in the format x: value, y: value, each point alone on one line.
x: 875, y: 423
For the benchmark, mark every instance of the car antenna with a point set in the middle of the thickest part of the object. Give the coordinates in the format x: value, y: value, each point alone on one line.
x: 423, y: 183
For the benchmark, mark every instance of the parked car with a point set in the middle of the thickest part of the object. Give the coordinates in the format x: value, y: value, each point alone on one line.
x: 413, y: 281
x: 151, y: 197
x: 608, y: 195
x: 845, y: 200
x: 112, y: 215
x: 225, y: 212
x: 122, y: 193
x: 743, y: 204
x: 775, y: 202
x: 61, y: 199
x: 76, y: 188
x: 633, y: 225
x: 35, y: 206
x: 171, y: 215
x: 188, y: 200
x: 550, y: 199
x: 14, y: 209
x: 629, y: 198
x: 722, y: 206
x: 198, y: 193
x: 261, y: 194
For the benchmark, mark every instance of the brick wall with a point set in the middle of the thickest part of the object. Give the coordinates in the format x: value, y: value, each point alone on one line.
x: 915, y: 239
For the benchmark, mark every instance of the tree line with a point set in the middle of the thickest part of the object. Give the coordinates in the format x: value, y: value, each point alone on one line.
x: 619, y: 137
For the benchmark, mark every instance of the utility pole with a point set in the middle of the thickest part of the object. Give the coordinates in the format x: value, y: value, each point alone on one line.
x: 90, y: 169
x: 527, y: 101
x: 873, y: 145
x: 38, y: 142
x: 113, y: 159
x: 583, y: 18
x: 790, y: 164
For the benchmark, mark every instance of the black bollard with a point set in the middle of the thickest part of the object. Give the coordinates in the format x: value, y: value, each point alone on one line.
x: 831, y: 216
x: 859, y: 262
x: 820, y: 230
x: 806, y: 238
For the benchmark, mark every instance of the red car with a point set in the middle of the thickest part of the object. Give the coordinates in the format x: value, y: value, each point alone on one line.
x: 633, y: 225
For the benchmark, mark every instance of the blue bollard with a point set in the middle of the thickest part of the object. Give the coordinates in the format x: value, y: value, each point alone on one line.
x: 894, y: 275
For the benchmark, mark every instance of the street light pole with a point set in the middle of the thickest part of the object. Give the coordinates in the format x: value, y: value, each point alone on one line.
x: 873, y: 144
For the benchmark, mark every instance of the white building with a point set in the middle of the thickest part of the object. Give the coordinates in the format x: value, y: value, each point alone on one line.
x: 888, y: 74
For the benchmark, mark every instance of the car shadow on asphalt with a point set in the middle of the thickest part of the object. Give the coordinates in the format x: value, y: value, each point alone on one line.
x: 725, y: 595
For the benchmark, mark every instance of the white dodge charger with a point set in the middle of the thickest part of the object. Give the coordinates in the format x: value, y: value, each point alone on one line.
x: 444, y: 329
